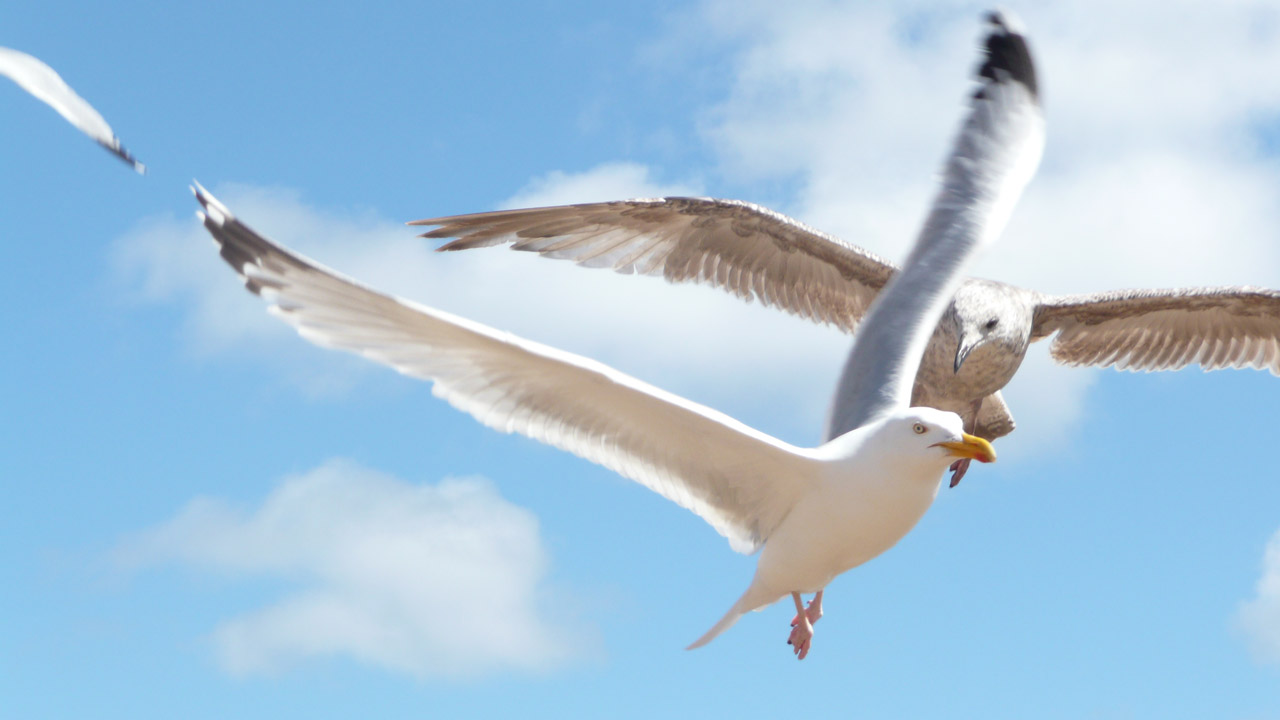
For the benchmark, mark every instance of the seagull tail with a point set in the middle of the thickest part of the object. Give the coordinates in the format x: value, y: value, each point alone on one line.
x: 744, y: 605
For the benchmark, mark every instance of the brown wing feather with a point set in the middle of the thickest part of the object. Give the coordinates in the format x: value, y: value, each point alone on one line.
x: 1165, y: 329
x: 750, y: 251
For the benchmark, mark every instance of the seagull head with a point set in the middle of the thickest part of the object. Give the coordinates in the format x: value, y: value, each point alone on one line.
x: 993, y: 318
x: 935, y: 436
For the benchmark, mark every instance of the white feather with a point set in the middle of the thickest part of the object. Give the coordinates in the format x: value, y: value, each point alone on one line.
x: 46, y: 85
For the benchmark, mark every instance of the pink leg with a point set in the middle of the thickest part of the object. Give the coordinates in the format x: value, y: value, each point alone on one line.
x: 814, y: 612
x: 960, y: 467
x: 802, y: 625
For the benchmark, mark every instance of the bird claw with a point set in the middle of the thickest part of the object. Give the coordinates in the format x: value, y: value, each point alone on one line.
x: 958, y: 469
x: 801, y: 639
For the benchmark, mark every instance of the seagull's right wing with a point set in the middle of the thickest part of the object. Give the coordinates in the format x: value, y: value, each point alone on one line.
x: 994, y: 156
x: 41, y: 81
x: 741, y: 481
x: 748, y: 250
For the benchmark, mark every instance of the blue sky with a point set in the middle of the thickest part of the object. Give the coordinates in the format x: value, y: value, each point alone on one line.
x: 202, y: 515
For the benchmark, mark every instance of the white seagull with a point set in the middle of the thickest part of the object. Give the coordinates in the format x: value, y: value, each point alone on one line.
x: 817, y: 512
x: 41, y: 81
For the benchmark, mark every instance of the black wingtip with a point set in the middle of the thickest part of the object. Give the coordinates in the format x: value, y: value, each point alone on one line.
x: 238, y: 244
x: 115, y: 148
x: 1006, y: 55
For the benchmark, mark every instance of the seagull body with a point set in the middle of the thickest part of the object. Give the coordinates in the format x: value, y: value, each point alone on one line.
x: 46, y: 85
x: 862, y: 499
x: 816, y: 512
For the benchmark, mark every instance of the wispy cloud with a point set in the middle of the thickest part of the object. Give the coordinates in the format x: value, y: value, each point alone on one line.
x: 1259, y: 618
x: 610, y: 181
x: 429, y: 580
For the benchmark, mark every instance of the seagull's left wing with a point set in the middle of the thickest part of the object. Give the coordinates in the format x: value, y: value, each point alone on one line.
x: 41, y: 81
x: 741, y: 481
x: 994, y: 156
x: 1164, y: 329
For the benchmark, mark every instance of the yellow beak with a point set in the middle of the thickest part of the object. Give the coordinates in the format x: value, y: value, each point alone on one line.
x: 972, y: 447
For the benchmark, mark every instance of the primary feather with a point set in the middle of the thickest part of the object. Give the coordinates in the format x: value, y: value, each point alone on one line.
x: 40, y: 80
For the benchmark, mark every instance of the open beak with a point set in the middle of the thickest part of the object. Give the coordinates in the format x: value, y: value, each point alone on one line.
x: 971, y: 447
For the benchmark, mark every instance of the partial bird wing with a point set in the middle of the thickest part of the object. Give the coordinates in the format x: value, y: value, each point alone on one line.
x: 41, y: 81
x: 1164, y: 329
x: 994, y: 156
x: 741, y: 481
x: 750, y: 251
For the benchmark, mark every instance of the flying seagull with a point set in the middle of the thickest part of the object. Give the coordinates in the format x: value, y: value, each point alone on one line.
x: 40, y: 80
x: 975, y: 350
x: 816, y: 512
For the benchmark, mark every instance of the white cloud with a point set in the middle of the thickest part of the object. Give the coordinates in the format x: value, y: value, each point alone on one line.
x: 430, y: 580
x: 1259, y: 618
x: 610, y: 181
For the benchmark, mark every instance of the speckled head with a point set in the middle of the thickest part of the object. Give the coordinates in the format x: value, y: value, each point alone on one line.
x: 991, y: 314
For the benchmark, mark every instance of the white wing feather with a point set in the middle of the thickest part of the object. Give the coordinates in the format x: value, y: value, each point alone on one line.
x: 46, y: 85
x: 741, y: 481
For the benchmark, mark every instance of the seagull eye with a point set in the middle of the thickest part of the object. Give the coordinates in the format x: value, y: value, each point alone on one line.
x: 991, y: 324
x: 918, y: 428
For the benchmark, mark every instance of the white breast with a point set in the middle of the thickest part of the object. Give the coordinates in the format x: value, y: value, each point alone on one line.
x: 844, y: 523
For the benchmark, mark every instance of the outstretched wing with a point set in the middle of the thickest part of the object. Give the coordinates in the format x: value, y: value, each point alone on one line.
x: 1164, y: 329
x: 741, y: 481
x: 748, y: 250
x: 994, y: 156
x: 41, y: 81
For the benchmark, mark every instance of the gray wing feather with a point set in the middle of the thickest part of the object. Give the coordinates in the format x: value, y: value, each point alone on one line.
x: 994, y: 156
x: 1164, y: 329
x: 741, y: 481
x: 746, y: 249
